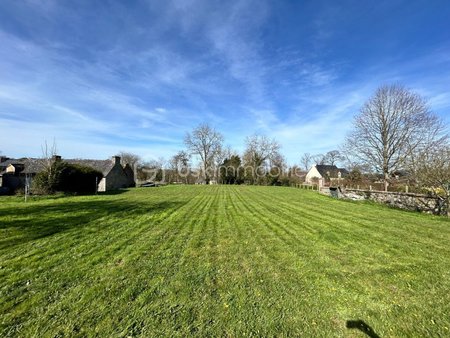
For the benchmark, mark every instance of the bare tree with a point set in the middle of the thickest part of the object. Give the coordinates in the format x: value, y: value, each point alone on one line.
x: 48, y: 167
x: 391, y: 126
x: 47, y: 163
x: 49, y: 153
x: 319, y: 158
x: 333, y: 157
x: 433, y: 172
x: 306, y: 161
x: 129, y: 158
x: 133, y: 160
x: 223, y: 154
x: 179, y: 164
x: 152, y: 170
x: 277, y: 168
x: 205, y: 142
x: 260, y: 152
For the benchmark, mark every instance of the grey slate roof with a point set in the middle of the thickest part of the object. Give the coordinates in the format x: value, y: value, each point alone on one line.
x: 330, y: 170
x: 35, y: 165
x: 32, y: 165
x: 6, y: 163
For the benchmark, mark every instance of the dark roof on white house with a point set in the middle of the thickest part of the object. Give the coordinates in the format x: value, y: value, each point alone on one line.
x: 330, y: 170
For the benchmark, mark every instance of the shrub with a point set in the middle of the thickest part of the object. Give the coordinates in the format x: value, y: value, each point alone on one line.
x: 65, y: 177
x: 286, y: 182
x: 79, y: 179
x: 48, y: 180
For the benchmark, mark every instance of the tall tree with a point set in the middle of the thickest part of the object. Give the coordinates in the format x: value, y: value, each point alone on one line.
x: 49, y: 167
x: 205, y: 142
x: 223, y: 154
x: 333, y: 157
x: 306, y: 161
x: 133, y: 160
x: 433, y: 172
x: 129, y: 158
x: 319, y: 158
x: 153, y: 170
x: 277, y: 169
x: 180, y: 163
x: 230, y: 171
x: 391, y: 126
x: 259, y: 153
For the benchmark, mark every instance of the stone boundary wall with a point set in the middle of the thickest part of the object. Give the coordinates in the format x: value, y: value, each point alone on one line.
x: 406, y: 201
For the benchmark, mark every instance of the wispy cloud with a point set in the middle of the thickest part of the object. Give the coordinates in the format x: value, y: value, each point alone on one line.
x: 140, y: 75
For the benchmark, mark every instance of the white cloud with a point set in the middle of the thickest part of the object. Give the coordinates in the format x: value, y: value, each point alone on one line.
x: 188, y: 62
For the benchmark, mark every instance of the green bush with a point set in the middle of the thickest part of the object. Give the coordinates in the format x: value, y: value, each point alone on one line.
x: 79, y: 179
x: 48, y: 180
x: 66, y: 177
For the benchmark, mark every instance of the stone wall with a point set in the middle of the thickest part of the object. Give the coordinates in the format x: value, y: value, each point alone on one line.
x: 116, y: 178
x: 130, y: 175
x: 406, y: 201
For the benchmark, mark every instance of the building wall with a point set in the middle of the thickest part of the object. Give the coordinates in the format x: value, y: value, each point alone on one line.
x: 130, y: 175
x: 313, y: 172
x: 10, y: 169
x: 116, y: 178
x: 102, y: 185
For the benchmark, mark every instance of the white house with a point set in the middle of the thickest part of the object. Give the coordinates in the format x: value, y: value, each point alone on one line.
x: 322, y: 174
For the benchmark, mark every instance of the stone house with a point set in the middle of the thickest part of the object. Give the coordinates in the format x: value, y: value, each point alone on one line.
x: 4, y: 162
x: 14, y: 172
x: 115, y: 176
x: 323, y: 175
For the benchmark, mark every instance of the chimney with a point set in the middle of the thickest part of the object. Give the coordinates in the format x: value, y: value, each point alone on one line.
x: 56, y: 158
x: 116, y: 160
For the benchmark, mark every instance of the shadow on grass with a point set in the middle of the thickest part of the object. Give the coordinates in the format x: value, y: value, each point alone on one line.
x: 361, y: 326
x: 24, y: 223
x: 113, y: 192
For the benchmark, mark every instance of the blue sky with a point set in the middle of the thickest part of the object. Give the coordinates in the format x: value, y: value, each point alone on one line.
x: 100, y: 77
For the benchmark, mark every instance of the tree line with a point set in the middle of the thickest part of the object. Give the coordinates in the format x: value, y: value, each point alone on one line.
x: 394, y: 131
x: 261, y: 162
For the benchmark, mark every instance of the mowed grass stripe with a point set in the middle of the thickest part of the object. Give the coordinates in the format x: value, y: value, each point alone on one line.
x: 331, y: 287
x: 369, y: 234
x: 88, y: 249
x: 175, y: 282
x: 363, y: 215
x: 150, y: 274
x: 127, y: 290
x: 275, y: 279
x: 219, y: 261
x: 105, y: 247
x: 391, y: 267
x: 383, y: 250
x: 236, y: 261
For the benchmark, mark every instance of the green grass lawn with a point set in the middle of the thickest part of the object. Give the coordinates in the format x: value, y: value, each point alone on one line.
x: 220, y: 261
